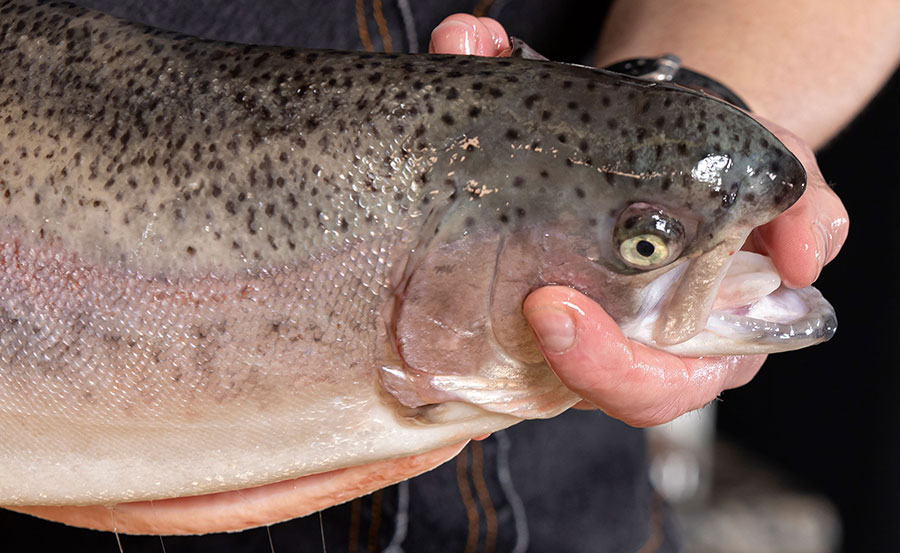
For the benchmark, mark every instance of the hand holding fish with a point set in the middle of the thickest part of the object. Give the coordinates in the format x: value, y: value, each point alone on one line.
x: 585, y: 347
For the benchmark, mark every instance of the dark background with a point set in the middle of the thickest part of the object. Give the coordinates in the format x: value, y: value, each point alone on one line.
x: 827, y: 415
x: 830, y: 414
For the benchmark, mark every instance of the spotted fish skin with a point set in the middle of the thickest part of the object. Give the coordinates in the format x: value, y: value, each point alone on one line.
x: 202, y: 244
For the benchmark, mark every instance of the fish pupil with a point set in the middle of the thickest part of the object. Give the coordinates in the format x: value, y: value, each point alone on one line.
x: 645, y: 248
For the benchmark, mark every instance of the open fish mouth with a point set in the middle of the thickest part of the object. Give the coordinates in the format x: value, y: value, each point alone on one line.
x: 753, y: 313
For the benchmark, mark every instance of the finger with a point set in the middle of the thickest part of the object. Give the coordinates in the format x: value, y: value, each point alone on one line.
x: 812, y: 231
x: 467, y: 34
x: 627, y: 380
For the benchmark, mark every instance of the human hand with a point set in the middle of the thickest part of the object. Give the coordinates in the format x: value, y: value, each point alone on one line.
x: 585, y: 347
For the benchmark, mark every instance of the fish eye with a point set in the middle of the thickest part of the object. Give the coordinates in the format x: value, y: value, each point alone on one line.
x: 644, y: 250
x: 646, y: 237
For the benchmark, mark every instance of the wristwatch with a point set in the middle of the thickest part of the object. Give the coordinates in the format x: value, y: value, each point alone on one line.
x: 668, y: 68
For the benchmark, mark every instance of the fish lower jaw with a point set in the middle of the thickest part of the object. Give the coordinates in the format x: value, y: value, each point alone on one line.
x: 783, y: 320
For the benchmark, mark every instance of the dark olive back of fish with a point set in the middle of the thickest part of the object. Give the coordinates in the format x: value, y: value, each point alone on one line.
x: 186, y: 153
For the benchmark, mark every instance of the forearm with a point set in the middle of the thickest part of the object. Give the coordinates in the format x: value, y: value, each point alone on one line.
x: 810, y: 65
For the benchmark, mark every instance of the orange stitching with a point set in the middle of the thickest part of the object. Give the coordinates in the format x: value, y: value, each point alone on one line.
x: 375, y: 524
x: 482, y: 8
x: 353, y: 535
x: 465, y: 492
x: 382, y: 25
x: 362, y: 27
x: 484, y: 497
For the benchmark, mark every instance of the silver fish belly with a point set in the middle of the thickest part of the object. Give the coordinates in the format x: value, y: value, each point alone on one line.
x: 226, y: 265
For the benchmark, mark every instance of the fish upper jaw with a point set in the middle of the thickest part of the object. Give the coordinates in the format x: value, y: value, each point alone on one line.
x: 751, y: 312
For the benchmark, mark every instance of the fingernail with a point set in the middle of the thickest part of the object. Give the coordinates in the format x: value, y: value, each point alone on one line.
x: 554, y: 328
x: 443, y: 40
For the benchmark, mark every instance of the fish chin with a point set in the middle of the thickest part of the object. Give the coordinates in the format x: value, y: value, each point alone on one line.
x: 754, y: 313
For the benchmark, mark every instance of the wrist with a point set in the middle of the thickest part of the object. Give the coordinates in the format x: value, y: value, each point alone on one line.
x: 668, y: 68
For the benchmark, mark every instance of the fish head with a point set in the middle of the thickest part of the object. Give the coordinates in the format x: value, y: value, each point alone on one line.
x: 659, y: 225
x: 643, y: 204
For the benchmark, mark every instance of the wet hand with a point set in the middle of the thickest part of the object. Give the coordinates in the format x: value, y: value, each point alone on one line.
x: 585, y: 347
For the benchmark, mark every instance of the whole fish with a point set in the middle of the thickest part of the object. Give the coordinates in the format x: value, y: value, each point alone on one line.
x: 225, y: 265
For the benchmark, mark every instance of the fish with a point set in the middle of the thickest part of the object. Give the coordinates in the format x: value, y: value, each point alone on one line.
x: 224, y: 266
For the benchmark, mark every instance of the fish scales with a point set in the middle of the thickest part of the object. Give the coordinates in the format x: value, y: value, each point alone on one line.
x: 206, y: 246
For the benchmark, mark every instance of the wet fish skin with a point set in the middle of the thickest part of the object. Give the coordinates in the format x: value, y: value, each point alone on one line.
x: 202, y: 243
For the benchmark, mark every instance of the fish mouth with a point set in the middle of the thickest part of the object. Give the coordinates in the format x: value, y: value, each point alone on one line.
x: 753, y: 313
x: 237, y: 510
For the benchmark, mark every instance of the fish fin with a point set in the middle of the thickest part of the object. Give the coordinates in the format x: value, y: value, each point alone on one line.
x: 520, y: 49
x: 537, y: 398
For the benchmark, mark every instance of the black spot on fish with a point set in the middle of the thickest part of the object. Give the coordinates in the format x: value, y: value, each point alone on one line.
x: 612, y: 123
x: 495, y: 92
x: 579, y: 192
x: 504, y: 218
x: 545, y: 115
x: 572, y: 105
x: 567, y: 84
x: 518, y: 182
x: 512, y: 134
x: 190, y: 250
x: 660, y: 122
x: 750, y: 197
x: 585, y: 117
x: 666, y: 183
x: 562, y: 138
x: 452, y: 94
x: 447, y: 119
x: 474, y: 111
x: 530, y: 100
